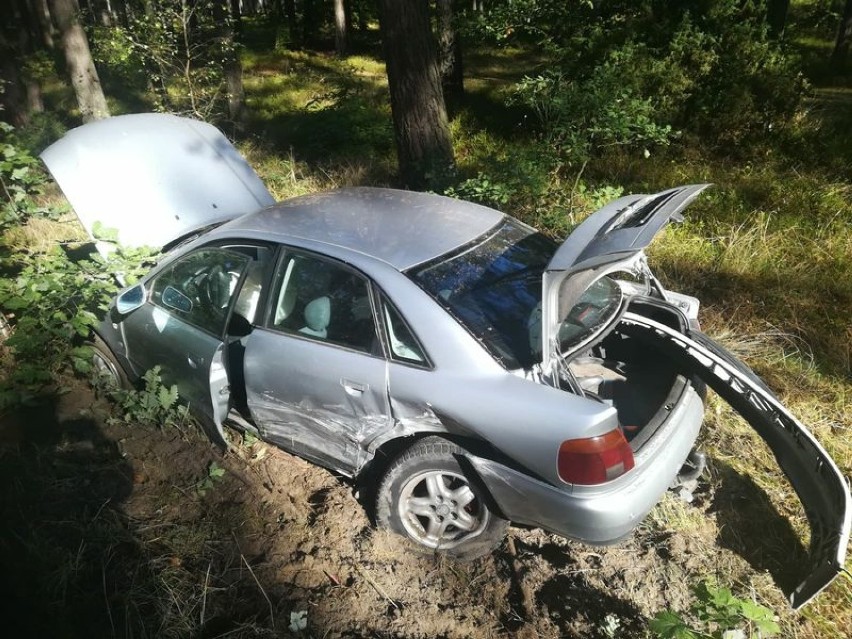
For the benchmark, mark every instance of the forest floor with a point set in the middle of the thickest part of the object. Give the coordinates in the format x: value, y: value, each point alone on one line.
x: 111, y: 529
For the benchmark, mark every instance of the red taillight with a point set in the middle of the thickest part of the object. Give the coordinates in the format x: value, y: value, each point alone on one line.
x: 594, y: 460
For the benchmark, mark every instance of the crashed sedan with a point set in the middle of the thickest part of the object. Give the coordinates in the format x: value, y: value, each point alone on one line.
x: 463, y: 367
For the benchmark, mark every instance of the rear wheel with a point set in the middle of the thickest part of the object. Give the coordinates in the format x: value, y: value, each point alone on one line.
x: 426, y: 497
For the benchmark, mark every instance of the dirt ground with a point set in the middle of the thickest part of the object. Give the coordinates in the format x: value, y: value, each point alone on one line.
x: 115, y: 530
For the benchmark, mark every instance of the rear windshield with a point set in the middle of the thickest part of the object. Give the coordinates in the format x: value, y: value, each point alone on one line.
x: 493, y: 288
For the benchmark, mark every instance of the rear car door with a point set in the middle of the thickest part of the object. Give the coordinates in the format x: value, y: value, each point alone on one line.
x: 316, y: 377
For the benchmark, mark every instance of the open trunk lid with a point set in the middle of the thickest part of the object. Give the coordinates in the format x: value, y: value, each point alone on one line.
x: 815, y: 477
x: 612, y: 239
x: 153, y: 177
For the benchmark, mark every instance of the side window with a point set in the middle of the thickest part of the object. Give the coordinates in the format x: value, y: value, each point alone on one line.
x: 324, y: 300
x: 198, y: 287
x: 404, y: 346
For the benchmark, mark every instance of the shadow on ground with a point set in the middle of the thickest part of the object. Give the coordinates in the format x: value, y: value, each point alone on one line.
x: 122, y: 530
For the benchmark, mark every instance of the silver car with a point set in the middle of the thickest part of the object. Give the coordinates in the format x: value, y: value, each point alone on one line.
x: 460, y: 366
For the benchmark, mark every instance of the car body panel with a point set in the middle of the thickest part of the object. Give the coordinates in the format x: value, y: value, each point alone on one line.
x: 188, y: 357
x: 153, y: 177
x: 324, y: 404
x: 376, y: 222
x: 601, y: 514
x: 815, y: 477
x: 613, y: 238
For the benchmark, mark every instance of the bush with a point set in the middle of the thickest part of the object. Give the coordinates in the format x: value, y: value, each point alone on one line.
x: 706, y: 67
x: 718, y: 614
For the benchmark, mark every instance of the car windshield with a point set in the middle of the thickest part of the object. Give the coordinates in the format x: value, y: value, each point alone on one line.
x: 493, y: 288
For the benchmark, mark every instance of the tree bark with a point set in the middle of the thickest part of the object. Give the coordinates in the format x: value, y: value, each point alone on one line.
x: 449, y: 54
x: 29, y: 37
x: 13, y: 104
x: 232, y: 66
x: 78, y: 60
x: 776, y: 17
x: 844, y: 36
x: 424, y: 148
x: 339, y: 28
x: 42, y: 14
x: 292, y: 25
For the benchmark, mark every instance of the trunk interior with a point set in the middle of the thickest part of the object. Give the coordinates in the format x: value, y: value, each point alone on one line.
x: 633, y: 376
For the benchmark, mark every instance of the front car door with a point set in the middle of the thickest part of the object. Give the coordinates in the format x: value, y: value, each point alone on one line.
x: 316, y: 377
x: 181, y: 328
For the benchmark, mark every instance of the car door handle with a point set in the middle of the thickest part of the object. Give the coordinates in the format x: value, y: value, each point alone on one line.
x: 354, y: 387
x: 192, y: 363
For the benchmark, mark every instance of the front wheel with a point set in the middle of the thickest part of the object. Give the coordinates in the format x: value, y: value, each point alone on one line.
x: 105, y: 364
x: 426, y: 497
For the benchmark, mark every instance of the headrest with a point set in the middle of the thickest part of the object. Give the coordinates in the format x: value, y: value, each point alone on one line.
x: 318, y: 313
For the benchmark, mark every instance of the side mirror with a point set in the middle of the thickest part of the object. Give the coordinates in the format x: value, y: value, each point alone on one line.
x: 131, y: 299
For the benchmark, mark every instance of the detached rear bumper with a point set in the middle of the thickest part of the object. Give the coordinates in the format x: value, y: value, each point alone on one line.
x: 607, y: 513
x: 815, y: 477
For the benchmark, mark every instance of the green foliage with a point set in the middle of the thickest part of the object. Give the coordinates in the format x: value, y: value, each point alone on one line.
x: 178, y: 49
x: 21, y: 177
x: 214, y: 474
x: 155, y: 403
x: 580, y: 118
x: 719, y: 615
x: 706, y: 67
x: 56, y: 301
x: 482, y: 189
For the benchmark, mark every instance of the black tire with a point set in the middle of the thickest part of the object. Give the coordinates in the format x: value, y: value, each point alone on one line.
x: 104, y: 362
x: 426, y: 497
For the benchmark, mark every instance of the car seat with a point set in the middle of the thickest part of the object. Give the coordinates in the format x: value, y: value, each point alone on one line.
x: 317, y: 317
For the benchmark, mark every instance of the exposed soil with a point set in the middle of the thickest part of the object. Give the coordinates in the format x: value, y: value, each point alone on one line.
x: 120, y: 530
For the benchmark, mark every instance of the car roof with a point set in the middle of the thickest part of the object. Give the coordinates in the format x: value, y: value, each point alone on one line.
x: 402, y: 228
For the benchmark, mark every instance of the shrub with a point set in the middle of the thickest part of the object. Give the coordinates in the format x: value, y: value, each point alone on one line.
x: 718, y: 614
x: 707, y: 67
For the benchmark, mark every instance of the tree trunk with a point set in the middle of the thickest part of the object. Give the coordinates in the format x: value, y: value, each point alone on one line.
x: 311, y: 20
x: 844, y: 36
x: 78, y: 60
x: 233, y: 68
x: 42, y: 14
x: 292, y: 25
x: 13, y: 105
x: 424, y: 148
x: 229, y: 31
x: 339, y: 28
x: 449, y: 54
x: 29, y: 38
x: 776, y: 17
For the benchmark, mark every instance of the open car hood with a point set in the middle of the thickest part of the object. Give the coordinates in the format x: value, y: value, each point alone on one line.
x: 815, y: 477
x: 613, y: 238
x: 153, y: 177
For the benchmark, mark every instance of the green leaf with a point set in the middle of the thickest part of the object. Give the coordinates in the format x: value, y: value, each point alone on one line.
x: 670, y: 625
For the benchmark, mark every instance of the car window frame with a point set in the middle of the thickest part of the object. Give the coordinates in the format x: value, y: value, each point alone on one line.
x: 268, y: 277
x: 163, y: 268
x: 384, y: 299
x: 274, y: 290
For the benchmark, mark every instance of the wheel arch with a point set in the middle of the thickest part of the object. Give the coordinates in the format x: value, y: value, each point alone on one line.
x: 369, y: 478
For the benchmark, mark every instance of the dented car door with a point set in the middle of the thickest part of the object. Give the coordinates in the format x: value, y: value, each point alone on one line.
x: 316, y: 377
